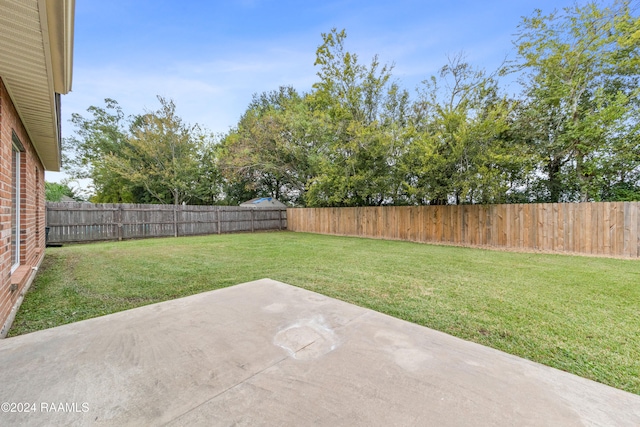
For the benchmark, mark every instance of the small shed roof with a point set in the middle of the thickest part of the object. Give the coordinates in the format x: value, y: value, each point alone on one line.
x: 263, y: 202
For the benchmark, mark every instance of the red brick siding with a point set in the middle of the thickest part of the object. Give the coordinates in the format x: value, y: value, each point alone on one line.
x: 31, y: 199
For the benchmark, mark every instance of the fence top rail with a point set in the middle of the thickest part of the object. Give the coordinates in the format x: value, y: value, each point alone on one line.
x: 593, y: 228
x: 134, y: 206
x: 79, y: 206
x: 475, y: 206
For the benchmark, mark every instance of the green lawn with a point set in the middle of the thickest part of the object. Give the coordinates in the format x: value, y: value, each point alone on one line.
x: 578, y: 314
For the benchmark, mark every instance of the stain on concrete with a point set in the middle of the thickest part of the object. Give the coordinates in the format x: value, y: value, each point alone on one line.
x: 275, y: 308
x: 307, y: 339
x: 403, y: 350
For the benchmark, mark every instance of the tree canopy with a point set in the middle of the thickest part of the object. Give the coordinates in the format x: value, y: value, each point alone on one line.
x: 54, y: 191
x: 358, y: 139
x: 149, y: 158
x: 581, y: 96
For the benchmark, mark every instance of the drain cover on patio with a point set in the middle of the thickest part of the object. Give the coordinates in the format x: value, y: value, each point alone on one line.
x: 266, y: 353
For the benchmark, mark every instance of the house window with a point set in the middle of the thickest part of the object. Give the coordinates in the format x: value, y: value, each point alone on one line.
x: 16, y: 149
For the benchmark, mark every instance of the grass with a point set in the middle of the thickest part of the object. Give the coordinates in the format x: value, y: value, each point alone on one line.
x: 578, y: 314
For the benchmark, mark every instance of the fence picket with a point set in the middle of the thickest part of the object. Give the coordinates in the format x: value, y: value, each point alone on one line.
x: 611, y: 228
x: 84, y: 222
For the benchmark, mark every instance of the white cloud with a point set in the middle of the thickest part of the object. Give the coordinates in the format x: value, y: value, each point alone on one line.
x: 212, y: 93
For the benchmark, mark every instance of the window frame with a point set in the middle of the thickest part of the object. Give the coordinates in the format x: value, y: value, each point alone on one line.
x: 16, y: 180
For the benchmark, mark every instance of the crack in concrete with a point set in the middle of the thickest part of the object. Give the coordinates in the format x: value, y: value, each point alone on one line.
x: 226, y: 390
x: 302, y: 348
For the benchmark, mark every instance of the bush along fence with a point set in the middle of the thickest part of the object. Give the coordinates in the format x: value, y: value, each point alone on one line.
x: 87, y: 222
x: 608, y: 228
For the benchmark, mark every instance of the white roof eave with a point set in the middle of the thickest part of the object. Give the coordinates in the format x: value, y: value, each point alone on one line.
x: 36, y: 59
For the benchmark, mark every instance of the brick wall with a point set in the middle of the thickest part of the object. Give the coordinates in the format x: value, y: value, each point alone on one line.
x: 32, y: 235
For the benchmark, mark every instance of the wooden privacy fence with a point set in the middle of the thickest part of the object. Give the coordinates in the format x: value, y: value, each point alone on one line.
x: 86, y: 222
x: 609, y: 228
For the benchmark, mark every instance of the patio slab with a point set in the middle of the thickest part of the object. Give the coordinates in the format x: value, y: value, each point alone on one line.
x: 267, y: 353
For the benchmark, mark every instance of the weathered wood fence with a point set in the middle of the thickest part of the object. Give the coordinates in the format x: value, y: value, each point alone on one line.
x: 86, y: 222
x: 609, y: 228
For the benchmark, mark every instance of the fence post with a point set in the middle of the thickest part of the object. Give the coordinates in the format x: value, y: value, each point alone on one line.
x: 119, y: 222
x: 175, y: 220
x: 67, y: 222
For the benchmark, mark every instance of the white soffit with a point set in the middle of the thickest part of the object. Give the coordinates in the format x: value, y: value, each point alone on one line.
x: 36, y: 46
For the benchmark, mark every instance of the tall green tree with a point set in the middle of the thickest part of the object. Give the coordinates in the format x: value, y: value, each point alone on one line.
x: 149, y: 158
x: 104, y: 132
x: 209, y: 188
x: 581, y: 90
x: 360, y: 110
x: 162, y: 155
x: 270, y: 152
x: 460, y: 151
x: 54, y: 191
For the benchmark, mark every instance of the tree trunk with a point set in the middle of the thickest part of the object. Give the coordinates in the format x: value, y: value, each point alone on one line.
x: 554, y: 183
x: 582, y: 178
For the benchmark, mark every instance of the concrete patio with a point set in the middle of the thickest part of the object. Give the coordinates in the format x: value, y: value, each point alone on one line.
x: 266, y: 353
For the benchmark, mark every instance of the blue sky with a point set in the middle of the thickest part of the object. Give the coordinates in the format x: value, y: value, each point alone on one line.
x: 211, y: 56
